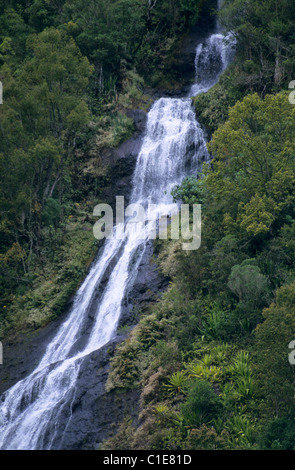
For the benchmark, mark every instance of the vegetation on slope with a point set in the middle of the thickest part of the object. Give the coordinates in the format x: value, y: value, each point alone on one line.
x: 211, y: 357
x: 70, y: 69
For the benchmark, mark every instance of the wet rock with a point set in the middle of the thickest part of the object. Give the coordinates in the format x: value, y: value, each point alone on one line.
x: 94, y: 412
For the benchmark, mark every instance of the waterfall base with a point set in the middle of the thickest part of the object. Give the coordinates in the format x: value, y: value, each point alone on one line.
x: 94, y: 411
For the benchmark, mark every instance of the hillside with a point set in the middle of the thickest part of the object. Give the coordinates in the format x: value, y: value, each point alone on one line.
x: 200, y: 358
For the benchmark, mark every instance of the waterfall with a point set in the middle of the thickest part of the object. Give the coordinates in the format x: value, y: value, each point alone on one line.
x: 32, y: 411
x: 212, y: 58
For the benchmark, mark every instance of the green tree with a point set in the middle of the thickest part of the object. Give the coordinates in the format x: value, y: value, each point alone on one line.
x: 43, y: 119
x: 247, y: 282
x: 252, y: 176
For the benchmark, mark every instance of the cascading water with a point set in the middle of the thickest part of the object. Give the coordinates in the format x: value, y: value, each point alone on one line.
x: 212, y: 58
x: 174, y: 145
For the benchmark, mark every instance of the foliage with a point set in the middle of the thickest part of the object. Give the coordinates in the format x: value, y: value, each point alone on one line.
x: 214, y: 324
x: 177, y: 382
x: 191, y: 191
x: 70, y: 71
x: 201, y: 371
x: 229, y: 308
x: 265, y: 32
x: 278, y: 434
x: 206, y: 438
x: 274, y: 374
x: 246, y: 281
x: 45, y: 294
x: 241, y: 428
x: 209, y: 359
x: 212, y: 108
x: 252, y: 173
x: 124, y: 374
x: 201, y: 404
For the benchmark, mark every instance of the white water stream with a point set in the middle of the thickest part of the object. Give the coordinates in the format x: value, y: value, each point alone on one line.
x: 173, y: 147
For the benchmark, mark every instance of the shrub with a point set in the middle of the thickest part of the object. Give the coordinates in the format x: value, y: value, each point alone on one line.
x: 201, y: 405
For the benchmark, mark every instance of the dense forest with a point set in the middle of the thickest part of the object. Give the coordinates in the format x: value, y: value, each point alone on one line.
x: 210, y: 357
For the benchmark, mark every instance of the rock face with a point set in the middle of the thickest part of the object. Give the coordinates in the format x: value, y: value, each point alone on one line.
x: 95, y: 412
x: 122, y: 160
